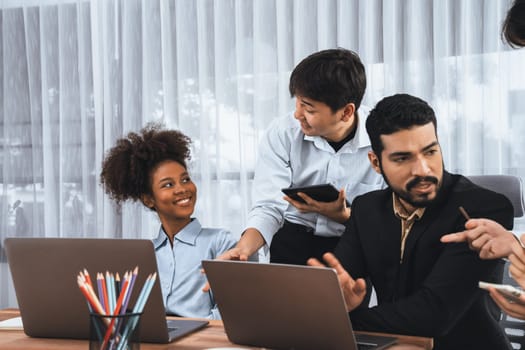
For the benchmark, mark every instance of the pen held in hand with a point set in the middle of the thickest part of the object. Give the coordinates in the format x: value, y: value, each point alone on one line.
x: 464, y: 213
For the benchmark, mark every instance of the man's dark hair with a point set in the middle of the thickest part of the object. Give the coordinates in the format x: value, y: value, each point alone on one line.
x: 335, y: 77
x: 395, y: 113
x: 127, y: 166
x: 513, y: 30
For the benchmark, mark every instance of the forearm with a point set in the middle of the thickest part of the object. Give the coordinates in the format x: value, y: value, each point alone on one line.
x: 402, y: 317
x: 446, y: 297
x: 340, y: 216
x: 250, y: 241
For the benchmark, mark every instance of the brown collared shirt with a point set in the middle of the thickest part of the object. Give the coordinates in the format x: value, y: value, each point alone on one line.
x: 407, y: 220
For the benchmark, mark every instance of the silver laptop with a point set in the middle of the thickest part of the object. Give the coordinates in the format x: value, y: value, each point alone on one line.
x: 45, y: 270
x: 284, y: 307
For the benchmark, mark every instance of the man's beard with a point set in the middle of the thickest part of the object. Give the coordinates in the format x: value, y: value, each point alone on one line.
x: 424, y: 201
x: 416, y: 201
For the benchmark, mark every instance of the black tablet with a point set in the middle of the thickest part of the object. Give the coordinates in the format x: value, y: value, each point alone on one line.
x: 321, y: 193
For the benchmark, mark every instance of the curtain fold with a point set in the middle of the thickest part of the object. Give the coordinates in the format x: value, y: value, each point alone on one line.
x: 77, y: 75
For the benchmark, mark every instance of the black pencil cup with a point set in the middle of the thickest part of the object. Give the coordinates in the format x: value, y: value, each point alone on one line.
x: 120, y: 332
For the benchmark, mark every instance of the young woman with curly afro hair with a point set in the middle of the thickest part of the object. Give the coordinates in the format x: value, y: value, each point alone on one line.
x: 150, y: 167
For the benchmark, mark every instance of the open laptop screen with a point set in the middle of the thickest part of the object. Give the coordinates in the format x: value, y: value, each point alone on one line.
x: 45, y: 270
x: 283, y: 306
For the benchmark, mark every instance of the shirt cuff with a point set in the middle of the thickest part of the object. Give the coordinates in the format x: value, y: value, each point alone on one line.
x: 265, y: 227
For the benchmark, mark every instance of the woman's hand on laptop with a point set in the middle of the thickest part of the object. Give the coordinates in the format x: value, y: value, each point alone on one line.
x: 354, y: 291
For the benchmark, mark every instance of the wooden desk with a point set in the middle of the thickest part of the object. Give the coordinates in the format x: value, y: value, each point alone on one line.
x: 212, y: 336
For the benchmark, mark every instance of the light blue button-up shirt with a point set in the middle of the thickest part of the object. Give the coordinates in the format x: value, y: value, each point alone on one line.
x: 180, y: 267
x: 287, y: 157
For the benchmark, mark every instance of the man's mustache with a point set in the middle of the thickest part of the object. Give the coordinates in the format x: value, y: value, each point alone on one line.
x: 415, y: 181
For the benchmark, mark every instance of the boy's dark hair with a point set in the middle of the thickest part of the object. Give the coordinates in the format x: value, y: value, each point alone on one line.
x: 127, y: 166
x: 395, y: 113
x: 513, y: 30
x: 335, y: 77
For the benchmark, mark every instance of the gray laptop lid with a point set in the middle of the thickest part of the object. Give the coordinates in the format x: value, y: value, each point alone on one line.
x: 282, y: 306
x: 51, y: 305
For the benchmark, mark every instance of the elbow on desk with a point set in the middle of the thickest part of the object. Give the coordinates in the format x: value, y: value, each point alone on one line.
x: 434, y: 327
x: 428, y: 324
x: 443, y: 322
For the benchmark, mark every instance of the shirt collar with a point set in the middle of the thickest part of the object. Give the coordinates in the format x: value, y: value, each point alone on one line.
x: 400, y: 211
x: 187, y: 235
x: 361, y: 136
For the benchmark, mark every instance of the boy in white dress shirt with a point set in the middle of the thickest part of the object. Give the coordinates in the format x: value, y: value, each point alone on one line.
x: 323, y: 142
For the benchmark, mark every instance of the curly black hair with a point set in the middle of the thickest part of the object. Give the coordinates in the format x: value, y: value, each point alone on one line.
x: 127, y: 167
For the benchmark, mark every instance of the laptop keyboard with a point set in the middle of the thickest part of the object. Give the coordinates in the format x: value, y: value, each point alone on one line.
x: 172, y: 325
x: 365, y: 346
x: 369, y: 341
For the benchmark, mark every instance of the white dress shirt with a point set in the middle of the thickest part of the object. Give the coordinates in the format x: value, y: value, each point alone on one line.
x: 287, y: 157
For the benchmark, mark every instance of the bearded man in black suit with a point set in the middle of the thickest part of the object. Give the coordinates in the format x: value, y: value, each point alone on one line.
x: 392, y: 240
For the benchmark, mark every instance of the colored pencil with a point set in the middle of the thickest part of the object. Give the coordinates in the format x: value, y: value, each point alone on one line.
x: 130, y: 290
x: 100, y: 289
x: 115, y: 312
x: 88, y: 278
x: 117, y: 284
x: 144, y: 299
x: 91, y: 298
x: 109, y: 288
x: 113, y: 299
x: 88, y: 286
x: 139, y: 306
x: 122, y: 294
x: 83, y: 278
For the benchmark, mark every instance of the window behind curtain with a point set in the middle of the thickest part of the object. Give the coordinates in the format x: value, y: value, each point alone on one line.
x: 77, y: 75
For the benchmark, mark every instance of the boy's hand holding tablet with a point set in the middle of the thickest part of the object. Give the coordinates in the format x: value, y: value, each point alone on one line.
x: 320, y: 193
x: 323, y: 199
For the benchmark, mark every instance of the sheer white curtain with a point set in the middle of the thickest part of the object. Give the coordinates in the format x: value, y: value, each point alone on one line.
x: 76, y: 75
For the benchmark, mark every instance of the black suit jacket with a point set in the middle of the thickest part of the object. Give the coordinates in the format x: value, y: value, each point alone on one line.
x: 434, y: 291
